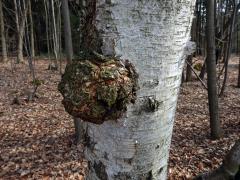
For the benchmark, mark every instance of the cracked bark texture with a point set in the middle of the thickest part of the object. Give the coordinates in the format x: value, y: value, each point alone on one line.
x: 152, y: 35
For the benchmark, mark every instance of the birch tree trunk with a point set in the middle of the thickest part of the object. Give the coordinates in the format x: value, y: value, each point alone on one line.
x: 152, y: 35
x: 3, y: 40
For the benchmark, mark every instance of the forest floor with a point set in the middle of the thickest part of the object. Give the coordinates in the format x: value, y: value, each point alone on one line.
x: 36, y: 138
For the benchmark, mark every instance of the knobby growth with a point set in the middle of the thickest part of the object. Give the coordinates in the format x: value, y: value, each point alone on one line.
x: 97, y: 91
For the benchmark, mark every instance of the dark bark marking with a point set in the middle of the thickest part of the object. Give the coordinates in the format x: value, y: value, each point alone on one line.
x: 100, y: 170
x: 153, y: 104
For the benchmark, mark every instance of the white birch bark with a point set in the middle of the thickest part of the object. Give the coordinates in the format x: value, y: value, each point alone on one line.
x: 152, y: 35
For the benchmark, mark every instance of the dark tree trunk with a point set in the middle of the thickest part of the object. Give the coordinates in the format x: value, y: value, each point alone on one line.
x: 183, y: 77
x: 3, y: 39
x: 203, y: 70
x: 229, y: 48
x: 238, y: 49
x: 67, y: 31
x: 211, y: 72
x: 189, y: 70
x: 239, y: 74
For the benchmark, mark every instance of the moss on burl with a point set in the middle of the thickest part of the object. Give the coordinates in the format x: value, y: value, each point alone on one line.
x: 98, y: 91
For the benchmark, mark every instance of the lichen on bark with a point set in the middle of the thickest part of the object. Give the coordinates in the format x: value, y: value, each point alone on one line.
x: 97, y: 91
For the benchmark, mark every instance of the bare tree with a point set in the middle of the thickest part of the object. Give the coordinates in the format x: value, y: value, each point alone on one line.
x: 46, y: 7
x: 3, y: 39
x: 238, y: 47
x: 67, y: 31
x: 54, y: 37
x: 211, y: 72
x: 229, y: 46
x: 21, y: 16
x: 31, y: 29
x: 189, y: 70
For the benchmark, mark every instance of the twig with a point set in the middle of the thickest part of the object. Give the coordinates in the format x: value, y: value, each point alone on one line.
x: 204, y: 85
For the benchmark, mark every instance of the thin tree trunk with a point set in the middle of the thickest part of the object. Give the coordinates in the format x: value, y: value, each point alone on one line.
x: 60, y: 37
x: 136, y: 146
x: 79, y: 129
x: 47, y: 27
x: 55, y: 37
x: 17, y: 26
x: 189, y: 70
x: 183, y: 78
x: 27, y: 47
x: 229, y: 49
x: 203, y: 70
x: 16, y: 14
x: 21, y: 26
x: 58, y: 33
x: 190, y: 58
x: 67, y: 31
x: 31, y: 30
x: 3, y: 40
x: 239, y: 74
x: 238, y: 49
x: 211, y: 72
x: 20, y: 44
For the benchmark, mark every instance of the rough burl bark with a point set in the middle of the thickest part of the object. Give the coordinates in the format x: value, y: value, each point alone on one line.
x: 98, y: 91
x: 230, y: 168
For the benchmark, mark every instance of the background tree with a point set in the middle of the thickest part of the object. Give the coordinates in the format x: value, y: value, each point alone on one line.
x: 31, y: 30
x: 67, y: 31
x: 78, y: 124
x: 3, y: 40
x: 211, y: 72
x: 21, y: 10
x: 229, y: 45
x: 238, y: 47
